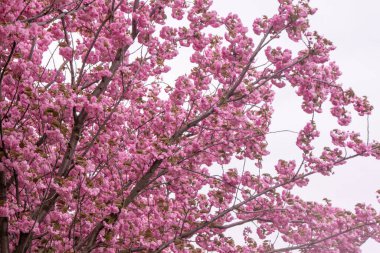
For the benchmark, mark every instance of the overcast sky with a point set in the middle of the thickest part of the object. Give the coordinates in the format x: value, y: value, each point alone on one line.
x: 353, y: 27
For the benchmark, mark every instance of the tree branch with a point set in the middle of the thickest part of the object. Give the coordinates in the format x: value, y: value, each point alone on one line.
x: 237, y: 206
x: 5, y: 67
x: 314, y: 242
x: 4, y: 241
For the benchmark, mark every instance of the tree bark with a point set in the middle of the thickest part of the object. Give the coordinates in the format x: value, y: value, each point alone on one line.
x: 4, y: 241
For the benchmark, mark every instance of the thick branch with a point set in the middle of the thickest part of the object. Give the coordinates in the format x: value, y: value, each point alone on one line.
x: 5, y: 67
x: 89, y: 242
x: 4, y: 242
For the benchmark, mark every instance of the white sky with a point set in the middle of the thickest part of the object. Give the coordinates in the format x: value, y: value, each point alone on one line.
x: 353, y: 27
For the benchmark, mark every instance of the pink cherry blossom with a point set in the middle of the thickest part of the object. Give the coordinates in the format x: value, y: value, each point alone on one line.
x: 101, y: 152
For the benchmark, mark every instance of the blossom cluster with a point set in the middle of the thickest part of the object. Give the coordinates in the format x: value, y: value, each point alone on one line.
x: 99, y: 153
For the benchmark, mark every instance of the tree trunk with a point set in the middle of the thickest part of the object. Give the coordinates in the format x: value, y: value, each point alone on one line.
x: 4, y: 243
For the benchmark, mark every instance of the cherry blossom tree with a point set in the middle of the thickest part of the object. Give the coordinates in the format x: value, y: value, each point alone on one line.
x: 100, y: 153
